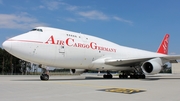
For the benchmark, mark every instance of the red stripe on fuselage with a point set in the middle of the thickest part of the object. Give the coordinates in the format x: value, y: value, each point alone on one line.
x: 25, y: 41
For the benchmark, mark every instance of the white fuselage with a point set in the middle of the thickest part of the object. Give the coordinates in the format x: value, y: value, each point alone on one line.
x: 66, y: 49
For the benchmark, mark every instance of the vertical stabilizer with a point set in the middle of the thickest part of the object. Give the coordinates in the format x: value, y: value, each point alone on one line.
x: 163, y: 48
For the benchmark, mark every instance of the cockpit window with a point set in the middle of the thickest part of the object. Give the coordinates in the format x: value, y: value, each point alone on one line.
x: 40, y: 30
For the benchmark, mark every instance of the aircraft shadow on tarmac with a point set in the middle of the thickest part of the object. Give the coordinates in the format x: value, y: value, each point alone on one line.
x: 153, y: 78
x: 66, y: 79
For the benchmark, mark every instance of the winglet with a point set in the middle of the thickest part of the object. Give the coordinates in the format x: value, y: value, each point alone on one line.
x: 163, y: 48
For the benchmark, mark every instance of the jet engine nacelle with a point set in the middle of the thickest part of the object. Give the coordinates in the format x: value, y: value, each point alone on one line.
x: 77, y: 71
x: 152, y: 66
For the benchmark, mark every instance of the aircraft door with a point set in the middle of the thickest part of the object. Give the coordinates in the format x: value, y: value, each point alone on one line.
x: 62, y: 50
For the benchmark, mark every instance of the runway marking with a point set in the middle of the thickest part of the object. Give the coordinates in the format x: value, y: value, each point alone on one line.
x: 107, y: 88
x: 123, y: 90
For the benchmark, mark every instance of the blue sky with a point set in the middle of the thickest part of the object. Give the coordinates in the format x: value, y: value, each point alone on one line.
x: 134, y: 23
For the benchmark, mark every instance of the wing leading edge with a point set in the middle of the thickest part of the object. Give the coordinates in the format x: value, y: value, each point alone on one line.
x: 137, y: 61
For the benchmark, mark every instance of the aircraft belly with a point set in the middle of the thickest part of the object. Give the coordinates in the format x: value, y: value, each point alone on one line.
x: 109, y: 67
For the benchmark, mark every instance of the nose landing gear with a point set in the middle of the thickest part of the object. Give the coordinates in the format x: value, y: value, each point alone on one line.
x: 45, y: 74
x: 44, y: 77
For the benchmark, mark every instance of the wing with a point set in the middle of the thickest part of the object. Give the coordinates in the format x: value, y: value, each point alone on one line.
x: 137, y: 61
x: 125, y: 62
x: 171, y: 58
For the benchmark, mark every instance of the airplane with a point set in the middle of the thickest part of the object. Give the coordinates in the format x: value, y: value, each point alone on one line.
x: 79, y: 52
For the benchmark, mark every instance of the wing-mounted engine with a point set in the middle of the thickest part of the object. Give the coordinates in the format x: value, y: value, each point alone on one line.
x: 152, y: 66
x: 77, y: 71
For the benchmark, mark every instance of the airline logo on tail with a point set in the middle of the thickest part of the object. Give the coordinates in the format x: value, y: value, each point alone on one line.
x: 163, y: 48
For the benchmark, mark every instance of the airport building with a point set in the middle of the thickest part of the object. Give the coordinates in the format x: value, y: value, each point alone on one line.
x: 176, y: 68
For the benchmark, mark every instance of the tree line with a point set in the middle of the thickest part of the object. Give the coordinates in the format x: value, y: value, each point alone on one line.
x: 12, y: 65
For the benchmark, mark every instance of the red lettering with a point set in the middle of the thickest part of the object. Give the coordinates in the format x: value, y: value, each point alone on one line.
x: 102, y: 48
x: 87, y: 46
x: 71, y: 42
x: 62, y: 43
x: 50, y: 40
x: 106, y: 49
x: 75, y: 45
x: 110, y: 50
x: 57, y: 42
x: 93, y: 45
x: 68, y: 41
x: 99, y: 48
x: 80, y: 45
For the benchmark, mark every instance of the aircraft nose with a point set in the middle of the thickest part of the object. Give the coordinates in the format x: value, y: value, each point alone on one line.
x: 7, y: 45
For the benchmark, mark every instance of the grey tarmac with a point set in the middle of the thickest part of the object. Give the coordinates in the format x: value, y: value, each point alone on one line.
x: 161, y: 87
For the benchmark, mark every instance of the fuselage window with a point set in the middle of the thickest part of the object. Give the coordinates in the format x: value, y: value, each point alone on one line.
x: 40, y: 30
x: 71, y: 35
x: 33, y: 29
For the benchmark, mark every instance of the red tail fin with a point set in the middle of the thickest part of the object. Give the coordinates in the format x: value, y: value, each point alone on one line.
x: 163, y: 48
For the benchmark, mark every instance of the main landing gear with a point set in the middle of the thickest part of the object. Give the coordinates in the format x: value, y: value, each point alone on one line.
x: 137, y: 73
x: 108, y: 75
x: 45, y: 74
x: 131, y: 75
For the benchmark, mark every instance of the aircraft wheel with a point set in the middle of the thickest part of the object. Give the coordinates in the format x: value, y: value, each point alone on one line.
x: 44, y: 77
x: 110, y: 76
x: 132, y: 76
x: 123, y: 76
x: 137, y: 76
x: 143, y: 76
x: 107, y: 76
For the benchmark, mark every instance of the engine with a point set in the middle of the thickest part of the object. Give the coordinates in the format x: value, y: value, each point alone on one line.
x: 77, y: 71
x: 152, y: 66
